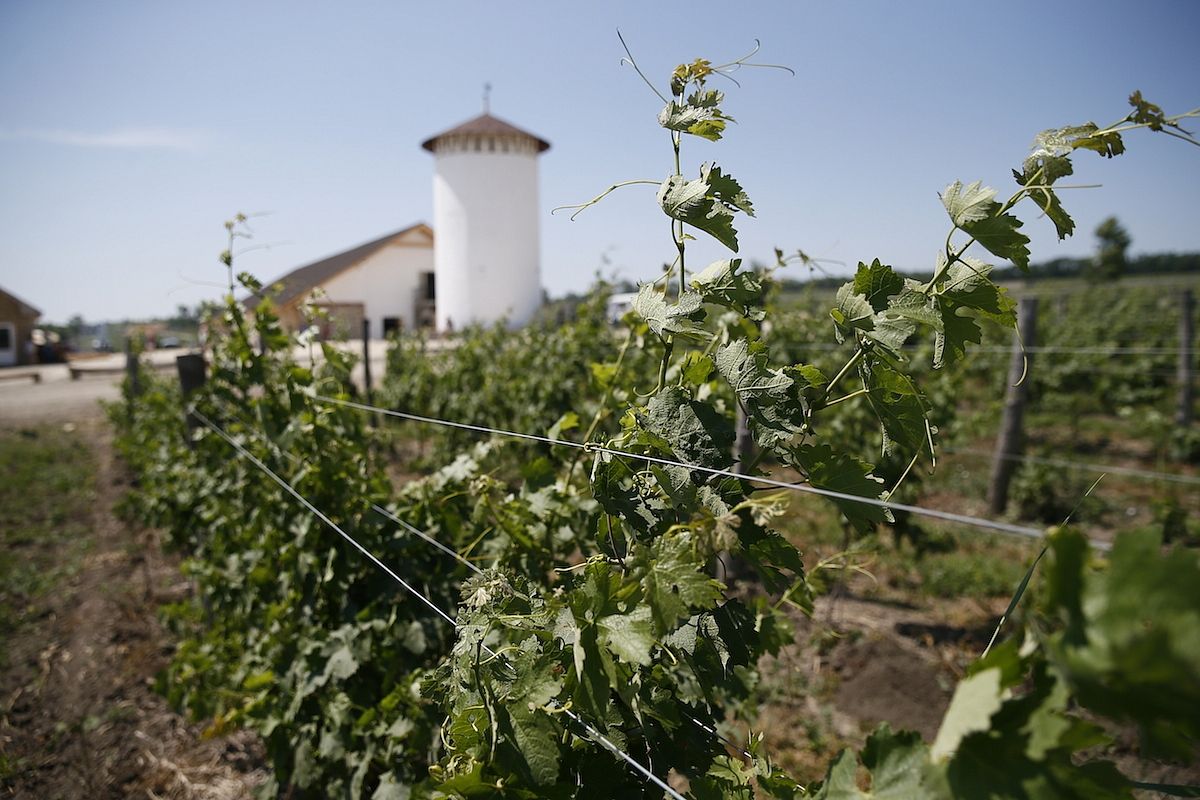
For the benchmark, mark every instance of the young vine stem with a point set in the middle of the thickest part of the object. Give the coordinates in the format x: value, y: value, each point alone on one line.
x: 849, y: 365
x: 581, y: 207
x: 680, y: 242
x: 608, y: 393
x: 844, y: 398
x: 633, y: 63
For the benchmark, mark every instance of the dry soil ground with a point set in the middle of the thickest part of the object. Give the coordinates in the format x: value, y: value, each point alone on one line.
x: 79, y: 717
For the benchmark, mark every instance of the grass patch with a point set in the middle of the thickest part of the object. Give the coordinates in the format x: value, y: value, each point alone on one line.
x: 966, y: 574
x: 46, y: 497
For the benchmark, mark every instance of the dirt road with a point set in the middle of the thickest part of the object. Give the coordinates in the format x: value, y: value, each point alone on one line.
x: 56, y: 397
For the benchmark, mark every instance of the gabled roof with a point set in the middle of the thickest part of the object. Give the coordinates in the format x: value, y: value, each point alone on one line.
x: 486, y: 125
x: 303, y: 280
x: 21, y: 305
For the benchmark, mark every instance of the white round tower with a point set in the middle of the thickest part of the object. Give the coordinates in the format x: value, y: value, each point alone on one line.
x: 486, y: 251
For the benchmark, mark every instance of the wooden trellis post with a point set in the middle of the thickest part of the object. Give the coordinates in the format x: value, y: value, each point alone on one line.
x: 1010, y: 440
x: 1187, y: 358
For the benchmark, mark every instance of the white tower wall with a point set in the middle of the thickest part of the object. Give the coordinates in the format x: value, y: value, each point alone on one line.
x: 486, y: 253
x: 485, y: 219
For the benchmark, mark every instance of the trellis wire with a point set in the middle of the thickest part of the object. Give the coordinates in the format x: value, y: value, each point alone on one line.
x: 1082, y: 465
x: 460, y: 559
x: 1051, y: 349
x: 947, y: 516
x: 592, y: 732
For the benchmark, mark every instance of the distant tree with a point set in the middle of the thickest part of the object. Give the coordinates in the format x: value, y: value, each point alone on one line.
x: 73, y: 333
x: 185, y: 319
x: 1112, y: 246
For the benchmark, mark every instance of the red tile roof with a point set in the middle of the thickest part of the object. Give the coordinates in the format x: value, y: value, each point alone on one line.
x: 485, y: 125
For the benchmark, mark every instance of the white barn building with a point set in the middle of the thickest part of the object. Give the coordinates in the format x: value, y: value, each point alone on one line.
x: 479, y: 263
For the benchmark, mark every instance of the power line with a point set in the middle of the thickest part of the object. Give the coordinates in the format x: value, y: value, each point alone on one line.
x: 591, y: 730
x: 948, y: 516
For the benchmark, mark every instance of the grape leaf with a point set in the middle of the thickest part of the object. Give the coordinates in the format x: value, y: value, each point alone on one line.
x: 696, y: 368
x: 916, y: 306
x: 1056, y: 142
x: 700, y: 115
x: 851, y: 312
x: 342, y: 664
x: 881, y: 304
x: 628, y: 636
x: 1051, y: 166
x: 535, y: 734
x: 899, y: 407
x: 966, y: 294
x: 846, y: 474
x: 536, y: 684
x: 695, y: 431
x: 968, y: 284
x: 976, y: 699
x: 707, y: 204
x: 1147, y: 113
x: 673, y: 583
x: 950, y: 343
x: 1027, y: 749
x: 1047, y: 168
x: 974, y: 209
x: 891, y: 330
x: 614, y: 489
x: 770, y: 554
x: 720, y: 283
x: 1000, y: 235
x: 966, y: 204
x: 877, y: 283
x: 678, y: 319
x: 771, y: 397
x: 727, y: 779
x: 591, y: 676
x: 899, y: 769
x: 744, y: 366
x: 1047, y: 200
x: 1130, y: 647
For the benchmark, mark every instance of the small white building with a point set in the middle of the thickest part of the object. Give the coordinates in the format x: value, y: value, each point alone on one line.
x: 481, y: 266
x: 17, y: 320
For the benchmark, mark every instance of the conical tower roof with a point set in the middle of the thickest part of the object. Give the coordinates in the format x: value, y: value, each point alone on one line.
x: 484, y: 125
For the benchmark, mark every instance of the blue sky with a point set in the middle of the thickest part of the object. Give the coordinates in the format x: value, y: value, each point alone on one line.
x: 129, y: 130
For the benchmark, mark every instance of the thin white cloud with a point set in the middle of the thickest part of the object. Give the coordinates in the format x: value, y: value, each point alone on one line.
x: 119, y: 138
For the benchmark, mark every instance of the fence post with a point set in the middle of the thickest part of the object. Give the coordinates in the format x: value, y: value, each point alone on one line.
x: 131, y: 368
x: 1010, y: 440
x: 366, y: 357
x: 131, y: 378
x: 192, y: 375
x: 1187, y: 314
